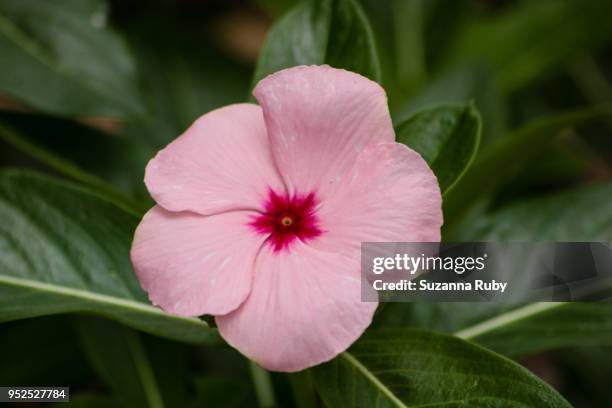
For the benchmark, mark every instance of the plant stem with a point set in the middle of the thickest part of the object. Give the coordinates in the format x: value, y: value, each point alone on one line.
x: 263, y: 385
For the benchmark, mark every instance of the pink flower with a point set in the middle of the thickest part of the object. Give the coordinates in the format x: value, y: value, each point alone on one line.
x: 261, y: 212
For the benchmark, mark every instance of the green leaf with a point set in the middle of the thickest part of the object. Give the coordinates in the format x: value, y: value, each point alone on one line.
x: 507, y: 156
x: 587, y: 370
x: 60, y: 57
x: 298, y: 38
x: 544, y: 326
x: 173, y: 365
x: 407, y: 368
x: 350, y: 43
x: 446, y: 136
x: 408, y: 21
x: 180, y: 83
x: 398, y: 27
x: 82, y: 154
x: 65, y: 249
x: 512, y: 331
x: 576, y: 215
x: 53, y: 358
x: 220, y: 391
x: 579, y: 215
x: 531, y: 39
x: 119, y: 357
x: 315, y: 32
x: 472, y: 81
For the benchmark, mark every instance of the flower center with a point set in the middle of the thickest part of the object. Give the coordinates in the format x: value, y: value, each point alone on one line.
x: 286, y: 221
x: 287, y: 218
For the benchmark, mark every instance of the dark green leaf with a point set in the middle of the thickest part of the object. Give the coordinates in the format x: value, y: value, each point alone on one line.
x: 60, y: 57
x: 180, y: 83
x: 298, y: 38
x: 222, y: 392
x: 586, y: 372
x: 398, y: 27
x: 512, y: 331
x: 315, y: 32
x: 467, y: 82
x: 404, y: 368
x: 508, y: 155
x: 575, y: 215
x: 350, y: 44
x: 544, y: 326
x: 82, y: 154
x: 172, y: 363
x: 592, y: 82
x: 118, y: 355
x: 446, y: 136
x: 67, y: 250
x: 532, y: 38
x: 408, y: 21
x: 31, y: 358
x: 580, y: 215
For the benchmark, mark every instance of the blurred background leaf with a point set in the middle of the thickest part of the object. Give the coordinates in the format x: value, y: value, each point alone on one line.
x: 503, y: 159
x: 179, y: 83
x: 221, y: 392
x: 118, y: 355
x: 44, y: 46
x: 110, y: 165
x: 530, y: 39
x: 41, y: 351
x: 579, y: 215
x: 583, y: 374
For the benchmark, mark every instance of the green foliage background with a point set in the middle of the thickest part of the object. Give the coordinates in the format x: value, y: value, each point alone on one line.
x: 509, y: 101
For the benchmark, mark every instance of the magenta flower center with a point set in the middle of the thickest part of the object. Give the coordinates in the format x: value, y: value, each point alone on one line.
x: 286, y: 218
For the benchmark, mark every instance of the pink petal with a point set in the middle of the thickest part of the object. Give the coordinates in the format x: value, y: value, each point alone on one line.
x: 222, y: 162
x: 319, y: 118
x: 390, y: 195
x: 304, y: 309
x: 192, y: 264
